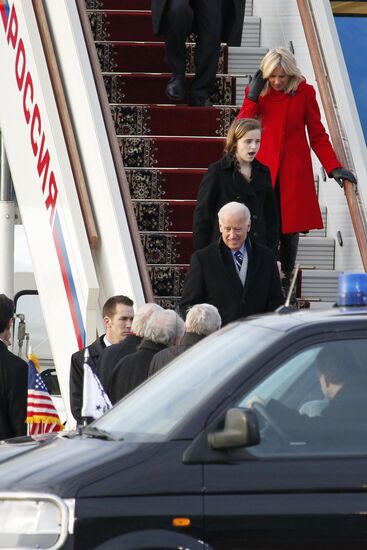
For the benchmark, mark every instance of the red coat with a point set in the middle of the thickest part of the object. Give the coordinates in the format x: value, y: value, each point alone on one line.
x: 285, y: 150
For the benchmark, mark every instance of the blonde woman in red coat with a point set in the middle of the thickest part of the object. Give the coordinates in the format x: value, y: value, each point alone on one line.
x: 286, y: 105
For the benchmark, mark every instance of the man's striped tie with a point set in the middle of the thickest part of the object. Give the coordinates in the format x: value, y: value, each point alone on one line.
x: 238, y: 256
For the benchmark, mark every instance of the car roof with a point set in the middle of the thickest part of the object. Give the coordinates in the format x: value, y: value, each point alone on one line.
x: 285, y: 322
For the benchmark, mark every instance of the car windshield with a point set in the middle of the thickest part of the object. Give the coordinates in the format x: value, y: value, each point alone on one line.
x: 154, y: 409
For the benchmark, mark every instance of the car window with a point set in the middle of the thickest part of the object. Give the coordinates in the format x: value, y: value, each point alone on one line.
x: 164, y: 400
x: 314, y: 402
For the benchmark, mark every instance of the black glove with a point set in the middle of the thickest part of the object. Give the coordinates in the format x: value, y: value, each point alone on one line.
x: 340, y: 174
x: 255, y: 86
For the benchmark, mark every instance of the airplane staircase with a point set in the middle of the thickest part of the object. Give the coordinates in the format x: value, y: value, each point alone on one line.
x: 166, y: 148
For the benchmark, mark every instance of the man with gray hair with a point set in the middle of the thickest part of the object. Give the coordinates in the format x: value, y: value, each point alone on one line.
x: 112, y: 355
x: 201, y: 320
x: 163, y: 328
x: 236, y: 275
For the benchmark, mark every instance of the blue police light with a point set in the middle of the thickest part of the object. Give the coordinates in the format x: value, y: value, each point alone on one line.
x: 352, y: 289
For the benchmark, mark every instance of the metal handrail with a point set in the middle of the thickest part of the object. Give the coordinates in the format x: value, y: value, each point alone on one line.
x: 323, y: 83
x: 66, y: 124
x: 115, y: 152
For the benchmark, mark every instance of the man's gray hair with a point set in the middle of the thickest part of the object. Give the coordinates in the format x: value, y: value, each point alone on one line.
x: 141, y: 317
x: 164, y: 327
x: 203, y: 319
x: 235, y: 208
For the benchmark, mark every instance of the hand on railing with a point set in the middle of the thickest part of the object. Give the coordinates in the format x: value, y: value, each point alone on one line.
x: 341, y: 174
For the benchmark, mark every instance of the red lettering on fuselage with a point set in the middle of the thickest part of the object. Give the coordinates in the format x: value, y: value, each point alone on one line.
x: 20, y: 63
x: 28, y: 87
x: 12, y: 35
x: 32, y: 116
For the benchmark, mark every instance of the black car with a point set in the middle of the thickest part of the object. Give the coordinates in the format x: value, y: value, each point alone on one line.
x: 193, y: 460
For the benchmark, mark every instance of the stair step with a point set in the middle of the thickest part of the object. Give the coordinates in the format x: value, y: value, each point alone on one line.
x: 164, y: 215
x: 170, y: 152
x: 251, y: 32
x: 118, y: 4
x: 319, y: 283
x: 319, y: 253
x: 244, y: 60
x: 167, y: 120
x: 170, y: 249
x: 146, y: 57
x: 117, y: 24
x: 320, y: 232
x: 150, y: 88
x: 122, y: 25
x: 165, y: 184
x: 167, y: 281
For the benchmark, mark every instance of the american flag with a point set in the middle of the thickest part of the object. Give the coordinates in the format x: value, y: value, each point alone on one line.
x: 42, y: 416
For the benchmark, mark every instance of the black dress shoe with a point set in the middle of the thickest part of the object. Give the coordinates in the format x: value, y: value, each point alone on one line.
x: 175, y: 88
x: 199, y: 101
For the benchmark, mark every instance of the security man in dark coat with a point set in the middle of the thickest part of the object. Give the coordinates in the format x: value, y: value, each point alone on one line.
x: 118, y: 314
x: 13, y: 378
x: 236, y: 275
x: 213, y: 21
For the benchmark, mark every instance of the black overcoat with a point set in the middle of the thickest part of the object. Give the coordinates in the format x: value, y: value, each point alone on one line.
x: 76, y: 379
x: 111, y: 356
x: 13, y: 394
x: 234, y: 13
x: 223, y: 183
x: 212, y: 278
x: 162, y: 358
x: 132, y: 370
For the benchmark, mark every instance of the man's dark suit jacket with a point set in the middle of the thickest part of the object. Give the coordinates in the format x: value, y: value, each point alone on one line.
x: 232, y: 24
x: 133, y: 369
x: 162, y: 358
x: 77, y: 375
x: 212, y: 278
x: 13, y: 394
x: 113, y: 355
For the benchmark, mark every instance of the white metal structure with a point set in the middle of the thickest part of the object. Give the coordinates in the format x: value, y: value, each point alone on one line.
x: 69, y: 279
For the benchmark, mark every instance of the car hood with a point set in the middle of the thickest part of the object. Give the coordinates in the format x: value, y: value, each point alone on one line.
x: 64, y: 464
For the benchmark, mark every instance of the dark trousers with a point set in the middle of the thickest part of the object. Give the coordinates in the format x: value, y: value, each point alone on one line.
x: 288, y: 242
x: 206, y: 16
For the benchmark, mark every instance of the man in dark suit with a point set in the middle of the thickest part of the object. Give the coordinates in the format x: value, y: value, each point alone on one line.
x: 13, y: 378
x: 118, y: 314
x: 238, y: 276
x: 213, y: 21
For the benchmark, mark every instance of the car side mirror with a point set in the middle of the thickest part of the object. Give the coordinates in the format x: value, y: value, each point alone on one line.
x: 241, y: 429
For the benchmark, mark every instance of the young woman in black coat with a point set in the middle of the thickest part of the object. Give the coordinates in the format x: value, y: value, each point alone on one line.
x: 239, y: 177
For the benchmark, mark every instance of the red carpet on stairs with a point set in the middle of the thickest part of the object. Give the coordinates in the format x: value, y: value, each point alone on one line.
x: 145, y: 57
x: 165, y: 148
x: 123, y: 25
x: 150, y: 89
x: 171, y: 120
x: 164, y: 183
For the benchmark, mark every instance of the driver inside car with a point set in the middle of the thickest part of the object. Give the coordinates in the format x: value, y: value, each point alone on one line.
x: 344, y: 386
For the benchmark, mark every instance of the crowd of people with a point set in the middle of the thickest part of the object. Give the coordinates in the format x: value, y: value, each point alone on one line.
x: 251, y: 206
